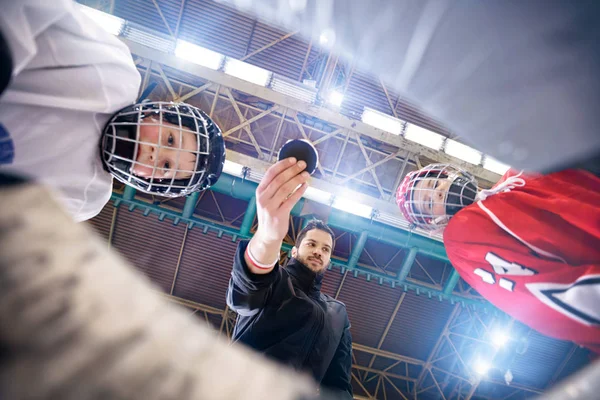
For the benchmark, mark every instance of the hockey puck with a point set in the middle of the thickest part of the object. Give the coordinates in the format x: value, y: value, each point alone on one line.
x: 301, y: 150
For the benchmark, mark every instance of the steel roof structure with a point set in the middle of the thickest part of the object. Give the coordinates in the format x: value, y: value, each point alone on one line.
x: 417, y: 327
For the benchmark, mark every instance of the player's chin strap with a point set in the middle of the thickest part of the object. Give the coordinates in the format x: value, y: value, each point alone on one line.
x: 506, y: 186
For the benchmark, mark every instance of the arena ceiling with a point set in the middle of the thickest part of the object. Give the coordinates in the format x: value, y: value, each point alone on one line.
x: 417, y: 328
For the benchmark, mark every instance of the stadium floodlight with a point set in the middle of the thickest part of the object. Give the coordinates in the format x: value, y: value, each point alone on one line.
x: 482, y: 367
x: 233, y: 168
x: 247, y: 72
x: 424, y: 137
x: 499, y: 338
x: 318, y: 195
x: 198, y: 55
x: 463, y: 152
x: 335, y: 98
x: 491, y: 164
x: 353, y: 207
x: 382, y: 121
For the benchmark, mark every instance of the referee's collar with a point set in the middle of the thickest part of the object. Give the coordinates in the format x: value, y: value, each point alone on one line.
x: 308, y: 280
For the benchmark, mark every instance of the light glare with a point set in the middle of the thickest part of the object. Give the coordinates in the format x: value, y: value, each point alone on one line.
x: 499, y: 338
x: 327, y: 38
x: 247, y: 72
x: 491, y: 164
x: 198, y: 55
x: 318, y: 195
x: 482, y: 367
x: 335, y: 98
x: 463, y: 152
x: 382, y: 121
x: 108, y: 22
x: 423, y: 136
x: 353, y: 207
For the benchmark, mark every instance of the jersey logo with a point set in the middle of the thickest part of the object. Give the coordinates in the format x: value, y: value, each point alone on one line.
x: 7, y: 147
x: 502, y: 267
x: 578, y: 300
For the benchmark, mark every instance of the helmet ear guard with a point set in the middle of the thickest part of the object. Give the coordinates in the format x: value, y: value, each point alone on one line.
x: 120, y: 142
x: 462, y: 193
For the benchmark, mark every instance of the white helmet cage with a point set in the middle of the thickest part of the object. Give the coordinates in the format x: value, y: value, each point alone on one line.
x: 121, y: 141
x: 461, y: 193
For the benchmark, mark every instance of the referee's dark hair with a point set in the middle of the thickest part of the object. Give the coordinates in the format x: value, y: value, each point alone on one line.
x: 314, y: 224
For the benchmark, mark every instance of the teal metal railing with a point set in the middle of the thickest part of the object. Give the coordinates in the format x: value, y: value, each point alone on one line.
x: 366, y: 229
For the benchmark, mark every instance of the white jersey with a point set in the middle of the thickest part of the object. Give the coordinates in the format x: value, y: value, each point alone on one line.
x: 69, y: 77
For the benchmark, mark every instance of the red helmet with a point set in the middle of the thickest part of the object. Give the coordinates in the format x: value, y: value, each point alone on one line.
x: 461, y: 192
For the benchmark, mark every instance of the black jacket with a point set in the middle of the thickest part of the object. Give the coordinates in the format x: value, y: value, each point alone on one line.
x: 284, y: 315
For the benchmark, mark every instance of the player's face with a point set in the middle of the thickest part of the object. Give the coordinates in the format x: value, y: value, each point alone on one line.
x: 315, y: 250
x: 430, y: 195
x: 165, y: 150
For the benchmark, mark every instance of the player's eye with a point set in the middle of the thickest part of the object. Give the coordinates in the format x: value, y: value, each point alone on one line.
x: 170, y: 139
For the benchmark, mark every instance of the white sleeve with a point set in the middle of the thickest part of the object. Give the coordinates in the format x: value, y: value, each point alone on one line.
x: 69, y: 77
x: 64, y: 59
x: 21, y: 21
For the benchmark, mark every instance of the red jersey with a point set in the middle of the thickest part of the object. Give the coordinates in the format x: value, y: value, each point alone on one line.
x: 534, y: 252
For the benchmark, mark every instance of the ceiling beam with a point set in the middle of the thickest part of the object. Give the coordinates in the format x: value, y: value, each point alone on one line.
x: 266, y: 46
x: 388, y: 374
x: 388, y: 326
x: 362, y: 348
x: 261, y: 167
x: 325, y: 114
x: 387, y: 354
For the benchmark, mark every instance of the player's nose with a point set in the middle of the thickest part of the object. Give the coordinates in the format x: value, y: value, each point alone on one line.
x: 146, y: 156
x: 146, y: 153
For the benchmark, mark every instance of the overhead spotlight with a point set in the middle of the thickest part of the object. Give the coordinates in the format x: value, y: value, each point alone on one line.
x: 463, y: 152
x: 247, y: 72
x: 508, y: 377
x: 335, y: 98
x: 327, y: 38
x: 499, y: 338
x: 198, y: 55
x: 494, y: 165
x: 233, y: 168
x: 353, y: 207
x: 481, y: 367
x: 318, y: 195
x: 423, y: 136
x: 382, y: 121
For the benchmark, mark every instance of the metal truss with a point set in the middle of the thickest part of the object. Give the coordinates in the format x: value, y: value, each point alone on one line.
x: 249, y: 117
x: 449, y: 372
x: 446, y: 374
x: 377, y: 149
x: 224, y: 322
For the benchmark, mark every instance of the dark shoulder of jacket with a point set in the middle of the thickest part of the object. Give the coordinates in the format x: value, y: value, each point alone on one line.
x: 330, y: 299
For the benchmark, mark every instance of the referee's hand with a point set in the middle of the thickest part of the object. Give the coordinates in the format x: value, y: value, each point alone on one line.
x: 275, y: 197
